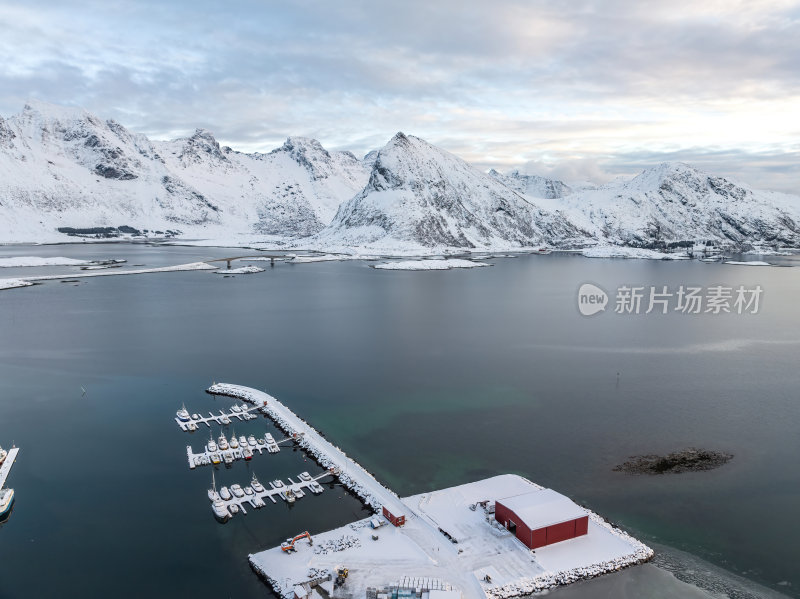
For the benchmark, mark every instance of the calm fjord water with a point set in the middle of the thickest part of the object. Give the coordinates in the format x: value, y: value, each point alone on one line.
x: 429, y: 379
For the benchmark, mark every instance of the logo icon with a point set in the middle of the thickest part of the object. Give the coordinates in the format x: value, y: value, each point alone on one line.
x: 591, y: 299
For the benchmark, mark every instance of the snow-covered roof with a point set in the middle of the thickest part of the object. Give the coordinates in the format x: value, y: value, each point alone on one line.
x: 543, y: 507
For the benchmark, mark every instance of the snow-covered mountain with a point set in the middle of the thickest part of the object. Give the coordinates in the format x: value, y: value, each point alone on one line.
x: 675, y: 202
x: 419, y: 195
x: 64, y: 169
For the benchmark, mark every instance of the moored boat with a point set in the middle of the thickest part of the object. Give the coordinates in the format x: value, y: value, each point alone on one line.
x: 6, y: 499
x: 225, y: 493
x: 183, y: 414
x: 220, y: 511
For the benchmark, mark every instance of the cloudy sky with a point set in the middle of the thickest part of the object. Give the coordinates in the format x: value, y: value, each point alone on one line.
x: 580, y: 89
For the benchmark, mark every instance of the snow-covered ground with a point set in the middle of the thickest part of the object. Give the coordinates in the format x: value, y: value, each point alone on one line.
x: 446, y: 264
x: 616, y: 251
x: 20, y: 261
x: 13, y: 283
x: 420, y: 549
x: 10, y: 283
x: 242, y: 270
x: 751, y: 263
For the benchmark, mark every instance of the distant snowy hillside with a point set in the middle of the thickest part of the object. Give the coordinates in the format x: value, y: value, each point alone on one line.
x: 421, y: 196
x: 63, y: 168
x: 533, y: 185
x: 64, y: 171
x: 675, y: 202
x: 292, y: 191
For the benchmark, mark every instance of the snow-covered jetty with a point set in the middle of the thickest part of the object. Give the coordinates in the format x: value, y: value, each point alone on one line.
x: 327, y: 455
x: 449, y: 535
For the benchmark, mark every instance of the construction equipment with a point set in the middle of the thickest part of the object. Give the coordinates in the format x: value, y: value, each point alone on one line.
x: 288, y: 545
x: 341, y: 576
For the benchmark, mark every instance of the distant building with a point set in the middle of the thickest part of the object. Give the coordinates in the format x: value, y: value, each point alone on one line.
x: 542, y: 517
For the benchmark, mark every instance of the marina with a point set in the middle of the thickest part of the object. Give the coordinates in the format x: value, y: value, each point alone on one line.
x: 468, y: 538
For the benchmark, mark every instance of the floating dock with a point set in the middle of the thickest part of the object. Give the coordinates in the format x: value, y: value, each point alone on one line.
x: 272, y: 491
x: 223, y: 418
x: 7, y: 463
x: 228, y: 456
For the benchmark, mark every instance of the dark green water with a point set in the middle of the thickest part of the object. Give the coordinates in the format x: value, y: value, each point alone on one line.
x: 429, y: 379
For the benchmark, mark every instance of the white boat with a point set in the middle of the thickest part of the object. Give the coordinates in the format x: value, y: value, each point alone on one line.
x: 6, y: 499
x: 251, y: 441
x: 223, y: 442
x: 305, y: 476
x: 257, y: 486
x: 543, y: 250
x: 258, y: 502
x: 211, y: 446
x: 261, y: 441
x: 234, y: 442
x: 269, y: 438
x: 248, y: 490
x: 224, y: 419
x: 237, y: 490
x: 243, y: 441
x: 315, y: 488
x: 277, y: 483
x: 212, y: 492
x: 288, y: 496
x: 215, y: 459
x: 195, y: 416
x: 247, y: 453
x: 227, y: 457
x: 220, y: 511
x: 191, y: 426
x: 183, y: 414
x: 233, y: 508
x: 3, y: 454
x: 236, y: 409
x: 225, y: 493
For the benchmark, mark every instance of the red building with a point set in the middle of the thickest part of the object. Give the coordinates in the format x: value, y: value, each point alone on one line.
x: 542, y: 517
x: 396, y: 520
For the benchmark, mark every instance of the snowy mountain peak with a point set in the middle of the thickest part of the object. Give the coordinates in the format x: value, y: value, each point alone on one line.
x: 202, y: 145
x: 419, y: 194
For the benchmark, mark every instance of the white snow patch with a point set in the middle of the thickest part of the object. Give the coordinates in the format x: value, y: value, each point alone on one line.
x: 13, y: 283
x: 615, y: 251
x: 429, y: 264
x: 242, y: 270
x: 752, y: 263
x: 19, y: 261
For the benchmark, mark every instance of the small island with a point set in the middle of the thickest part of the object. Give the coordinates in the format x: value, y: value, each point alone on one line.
x: 686, y: 460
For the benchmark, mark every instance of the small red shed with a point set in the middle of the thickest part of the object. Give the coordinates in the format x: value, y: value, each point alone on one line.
x: 396, y: 520
x: 542, y: 517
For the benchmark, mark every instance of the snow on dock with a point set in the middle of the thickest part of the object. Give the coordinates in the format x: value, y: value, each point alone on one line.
x: 7, y: 463
x: 289, y: 492
x: 218, y: 456
x: 449, y: 535
x: 243, y: 413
